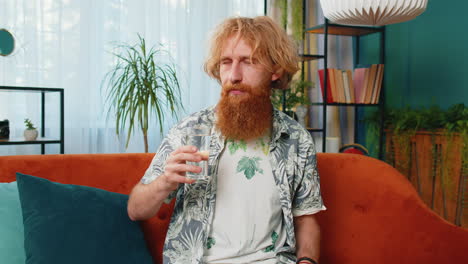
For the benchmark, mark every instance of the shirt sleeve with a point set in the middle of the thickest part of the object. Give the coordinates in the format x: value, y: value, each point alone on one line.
x: 307, y: 198
x: 170, y: 143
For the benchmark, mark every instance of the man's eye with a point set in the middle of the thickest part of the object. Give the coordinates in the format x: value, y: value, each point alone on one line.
x: 251, y: 61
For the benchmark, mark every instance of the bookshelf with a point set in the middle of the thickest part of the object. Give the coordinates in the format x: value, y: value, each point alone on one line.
x: 355, y: 32
x: 42, y: 139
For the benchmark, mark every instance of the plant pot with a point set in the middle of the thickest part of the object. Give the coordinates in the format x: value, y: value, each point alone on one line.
x: 292, y: 114
x: 30, y: 134
x: 432, y: 162
x: 301, y: 113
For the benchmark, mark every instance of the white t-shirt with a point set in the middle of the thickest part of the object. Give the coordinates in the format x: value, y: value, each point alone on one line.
x: 248, y: 224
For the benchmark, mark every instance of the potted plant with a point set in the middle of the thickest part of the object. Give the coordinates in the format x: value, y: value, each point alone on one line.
x: 293, y: 98
x: 430, y: 147
x: 293, y: 101
x: 30, y: 133
x: 295, y: 95
x: 142, y: 86
x: 296, y: 23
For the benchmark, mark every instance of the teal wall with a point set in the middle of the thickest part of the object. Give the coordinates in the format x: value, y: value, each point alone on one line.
x: 426, y: 58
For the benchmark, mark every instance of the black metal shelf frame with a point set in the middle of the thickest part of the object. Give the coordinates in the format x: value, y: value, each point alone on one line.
x: 42, y: 140
x: 343, y: 30
x: 355, y: 32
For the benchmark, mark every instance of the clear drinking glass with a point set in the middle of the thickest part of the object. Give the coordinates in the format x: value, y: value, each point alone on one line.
x: 200, y: 137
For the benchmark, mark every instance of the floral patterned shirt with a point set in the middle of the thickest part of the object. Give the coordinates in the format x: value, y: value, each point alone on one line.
x: 293, y: 161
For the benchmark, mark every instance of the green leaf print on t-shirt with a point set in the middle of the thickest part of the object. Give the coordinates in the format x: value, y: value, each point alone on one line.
x: 234, y: 145
x: 274, y: 238
x: 264, y: 146
x: 249, y: 166
x: 211, y: 241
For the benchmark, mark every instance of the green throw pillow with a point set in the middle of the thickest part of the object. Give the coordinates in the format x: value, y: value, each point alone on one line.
x: 11, y: 225
x: 66, y: 223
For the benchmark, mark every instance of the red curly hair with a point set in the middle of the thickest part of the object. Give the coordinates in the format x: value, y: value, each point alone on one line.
x: 270, y: 45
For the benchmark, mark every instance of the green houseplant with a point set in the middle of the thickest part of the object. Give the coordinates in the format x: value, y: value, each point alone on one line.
x: 429, y: 146
x: 295, y: 95
x: 294, y: 100
x: 405, y: 122
x: 142, y: 86
x: 297, y: 25
x: 30, y: 133
x: 291, y: 17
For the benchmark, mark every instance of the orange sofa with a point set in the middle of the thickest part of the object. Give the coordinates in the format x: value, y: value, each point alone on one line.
x: 374, y: 215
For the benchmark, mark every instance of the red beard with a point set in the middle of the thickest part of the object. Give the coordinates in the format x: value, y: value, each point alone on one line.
x: 244, y: 116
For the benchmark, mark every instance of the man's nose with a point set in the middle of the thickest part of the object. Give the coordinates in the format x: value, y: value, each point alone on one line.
x: 236, y: 73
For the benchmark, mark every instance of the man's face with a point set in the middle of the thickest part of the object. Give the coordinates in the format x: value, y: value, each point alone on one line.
x: 244, y: 110
x: 237, y: 67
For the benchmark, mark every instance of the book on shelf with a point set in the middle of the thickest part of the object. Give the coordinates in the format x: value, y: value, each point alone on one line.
x: 362, y: 86
x: 352, y: 95
x: 374, y: 85
x: 358, y: 81
x: 370, y: 83
x: 329, y: 91
x: 333, y: 85
x: 339, y: 85
x: 378, y: 83
x: 365, y: 84
x: 346, y: 87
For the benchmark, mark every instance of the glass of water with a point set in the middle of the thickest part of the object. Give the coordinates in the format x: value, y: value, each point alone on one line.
x: 200, y: 137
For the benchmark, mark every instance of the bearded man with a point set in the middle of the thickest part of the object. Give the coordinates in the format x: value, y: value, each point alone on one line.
x: 258, y: 205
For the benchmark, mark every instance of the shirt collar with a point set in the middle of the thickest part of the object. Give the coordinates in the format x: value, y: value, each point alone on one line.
x: 280, y: 126
x: 216, y: 134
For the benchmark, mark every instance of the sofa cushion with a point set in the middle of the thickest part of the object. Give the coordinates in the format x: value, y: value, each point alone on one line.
x: 11, y: 225
x: 66, y: 223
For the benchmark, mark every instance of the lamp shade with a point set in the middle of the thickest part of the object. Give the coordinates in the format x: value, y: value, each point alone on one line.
x: 372, y: 12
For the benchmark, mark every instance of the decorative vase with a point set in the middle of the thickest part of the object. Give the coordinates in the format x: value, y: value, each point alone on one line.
x: 4, y: 129
x: 301, y: 112
x: 291, y: 114
x: 30, y: 134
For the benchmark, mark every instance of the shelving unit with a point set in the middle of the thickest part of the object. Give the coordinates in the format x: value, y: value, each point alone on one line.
x: 42, y: 140
x: 356, y: 32
x: 351, y: 31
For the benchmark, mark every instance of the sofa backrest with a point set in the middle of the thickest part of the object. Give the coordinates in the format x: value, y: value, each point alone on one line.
x: 111, y: 172
x: 374, y: 214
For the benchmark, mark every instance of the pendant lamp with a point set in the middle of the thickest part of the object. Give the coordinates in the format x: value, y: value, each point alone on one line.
x: 372, y: 12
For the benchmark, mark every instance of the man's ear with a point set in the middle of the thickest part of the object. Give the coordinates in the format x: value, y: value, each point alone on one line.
x: 278, y: 73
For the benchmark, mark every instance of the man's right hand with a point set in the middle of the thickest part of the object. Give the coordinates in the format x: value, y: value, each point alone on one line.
x: 146, y: 199
x: 176, y: 167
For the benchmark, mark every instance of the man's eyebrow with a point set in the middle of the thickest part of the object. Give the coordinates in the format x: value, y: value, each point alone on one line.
x: 241, y: 58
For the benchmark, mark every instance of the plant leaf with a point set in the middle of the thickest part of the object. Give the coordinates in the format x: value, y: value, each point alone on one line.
x: 140, y: 87
x: 249, y: 166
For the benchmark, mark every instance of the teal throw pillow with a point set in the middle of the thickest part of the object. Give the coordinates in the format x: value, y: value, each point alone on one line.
x: 11, y: 225
x: 66, y: 223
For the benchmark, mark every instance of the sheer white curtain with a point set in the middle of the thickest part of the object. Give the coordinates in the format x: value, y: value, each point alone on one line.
x: 67, y: 44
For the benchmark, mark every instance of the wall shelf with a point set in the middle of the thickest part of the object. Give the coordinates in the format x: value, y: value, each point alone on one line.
x: 343, y: 30
x: 309, y: 57
x: 42, y: 139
